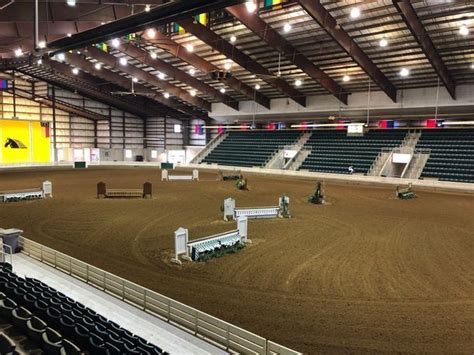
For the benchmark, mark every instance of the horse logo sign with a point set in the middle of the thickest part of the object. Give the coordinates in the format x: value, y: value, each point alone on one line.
x: 14, y: 144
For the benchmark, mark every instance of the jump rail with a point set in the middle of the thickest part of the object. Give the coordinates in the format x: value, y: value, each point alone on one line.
x: 28, y: 194
x: 165, y: 176
x: 203, y: 325
x: 232, y: 212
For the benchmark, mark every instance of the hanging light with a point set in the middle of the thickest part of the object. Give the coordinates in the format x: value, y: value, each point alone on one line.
x: 463, y: 30
x: 222, y: 90
x: 97, y: 66
x: 355, y: 12
x: 75, y: 71
x: 151, y: 33
x: 228, y: 66
x: 39, y: 61
x: 135, y: 80
x: 233, y: 39
x: 71, y: 2
x: 161, y: 76
x: 190, y: 48
x: 61, y: 57
x: 69, y: 35
x: 192, y: 71
x: 346, y: 78
x: 472, y: 66
x: 251, y: 6
x: 115, y: 43
x: 147, y: 8
x: 41, y: 44
x: 18, y: 52
x: 383, y: 42
x: 404, y: 72
x: 153, y: 55
x: 257, y: 87
x: 298, y: 83
x: 193, y: 93
x: 287, y: 27
x: 123, y: 61
x: 166, y: 95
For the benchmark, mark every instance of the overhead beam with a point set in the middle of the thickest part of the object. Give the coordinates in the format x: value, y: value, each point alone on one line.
x: 279, y: 43
x: 160, y: 15
x: 232, y: 52
x: 409, y: 16
x: 166, y: 43
x: 144, y: 76
x: 342, y: 38
x: 132, y: 50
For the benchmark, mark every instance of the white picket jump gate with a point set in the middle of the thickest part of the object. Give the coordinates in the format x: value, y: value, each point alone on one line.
x: 184, y: 246
x: 40, y: 192
x: 165, y: 176
x: 230, y: 211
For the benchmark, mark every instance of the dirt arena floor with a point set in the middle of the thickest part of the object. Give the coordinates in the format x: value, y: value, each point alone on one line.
x: 364, y: 274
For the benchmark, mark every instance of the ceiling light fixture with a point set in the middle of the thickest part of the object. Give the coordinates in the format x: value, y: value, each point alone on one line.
x: 97, y: 66
x: 257, y: 87
x: 61, y: 57
x: 115, y: 42
x: 190, y: 48
x: 71, y: 2
x: 161, y: 76
x: 147, y: 8
x: 287, y: 27
x: 251, y: 6
x: 123, y: 61
x: 463, y: 30
x: 75, y: 71
x: 18, y: 52
x: 39, y: 61
x: 193, y: 93
x: 355, y: 12
x: 346, y: 78
x: 298, y: 83
x: 166, y: 95
x: 228, y: 66
x: 222, y: 90
x: 192, y: 71
x: 69, y: 34
x: 383, y: 42
x: 472, y: 66
x: 404, y: 72
x: 41, y: 44
x: 135, y: 80
x: 153, y: 55
x: 151, y: 33
x: 233, y: 39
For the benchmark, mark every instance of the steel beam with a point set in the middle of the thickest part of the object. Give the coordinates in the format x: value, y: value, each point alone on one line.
x: 160, y: 15
x: 408, y: 14
x: 146, y: 77
x: 167, y: 44
x: 316, y: 10
x: 279, y: 43
x: 144, y: 57
x: 230, y: 51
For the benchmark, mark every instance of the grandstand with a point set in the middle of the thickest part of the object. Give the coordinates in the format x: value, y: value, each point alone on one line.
x: 317, y: 155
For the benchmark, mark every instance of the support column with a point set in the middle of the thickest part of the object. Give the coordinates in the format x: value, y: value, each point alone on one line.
x: 54, y: 126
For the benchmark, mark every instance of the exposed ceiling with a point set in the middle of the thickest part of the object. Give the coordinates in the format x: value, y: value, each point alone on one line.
x: 324, y: 45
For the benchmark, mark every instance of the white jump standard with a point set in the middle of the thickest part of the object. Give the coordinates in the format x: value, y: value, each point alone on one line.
x: 28, y: 194
x: 165, y: 176
x: 280, y: 211
x: 193, y: 250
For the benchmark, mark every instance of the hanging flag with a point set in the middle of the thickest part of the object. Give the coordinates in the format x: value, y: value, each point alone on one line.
x: 202, y: 19
x: 131, y: 37
x: 220, y: 129
x: 103, y: 47
x: 178, y: 29
x: 3, y: 84
x: 271, y: 3
x: 45, y: 126
x: 199, y: 129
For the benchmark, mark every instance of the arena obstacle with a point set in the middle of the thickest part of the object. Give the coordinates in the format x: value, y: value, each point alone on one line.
x: 280, y: 211
x: 28, y: 194
x: 405, y: 193
x: 213, y: 245
x: 103, y: 192
x: 221, y: 177
x: 165, y: 176
x: 318, y: 196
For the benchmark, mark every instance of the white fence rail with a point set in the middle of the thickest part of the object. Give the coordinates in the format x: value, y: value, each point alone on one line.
x: 211, y: 329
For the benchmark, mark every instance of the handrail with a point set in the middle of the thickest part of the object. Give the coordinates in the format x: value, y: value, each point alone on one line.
x: 203, y: 325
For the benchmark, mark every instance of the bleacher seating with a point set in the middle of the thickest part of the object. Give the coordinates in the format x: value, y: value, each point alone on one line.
x: 452, y: 154
x: 250, y: 148
x: 60, y: 325
x: 332, y: 151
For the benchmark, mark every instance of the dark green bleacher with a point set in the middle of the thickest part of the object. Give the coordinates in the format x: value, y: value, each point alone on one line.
x: 332, y: 151
x: 250, y: 148
x: 452, y: 154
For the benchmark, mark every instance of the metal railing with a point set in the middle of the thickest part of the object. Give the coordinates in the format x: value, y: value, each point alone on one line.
x: 202, y: 325
x: 209, y: 147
